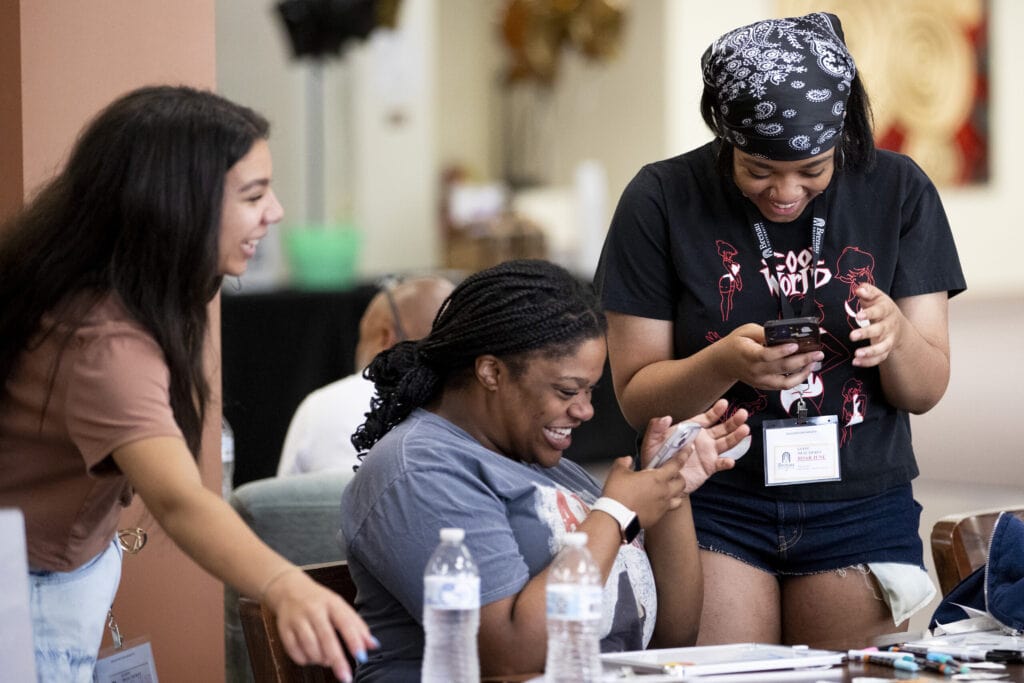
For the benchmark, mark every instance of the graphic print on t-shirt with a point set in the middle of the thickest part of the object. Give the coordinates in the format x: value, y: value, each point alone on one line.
x: 792, y: 279
x: 792, y: 273
x: 562, y: 511
x: 855, y: 267
x: 854, y: 404
x: 732, y: 281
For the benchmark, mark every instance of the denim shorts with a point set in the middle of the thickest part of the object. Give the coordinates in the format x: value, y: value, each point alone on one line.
x: 796, y: 538
x: 69, y: 611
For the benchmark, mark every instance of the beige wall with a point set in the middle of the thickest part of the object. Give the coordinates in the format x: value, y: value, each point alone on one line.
x: 77, y: 56
x: 972, y: 436
x: 380, y: 169
x: 60, y: 62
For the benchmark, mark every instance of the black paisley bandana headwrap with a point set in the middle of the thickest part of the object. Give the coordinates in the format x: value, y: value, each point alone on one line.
x: 781, y: 85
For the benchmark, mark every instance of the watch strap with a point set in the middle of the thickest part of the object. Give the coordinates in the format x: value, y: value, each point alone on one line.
x: 629, y: 523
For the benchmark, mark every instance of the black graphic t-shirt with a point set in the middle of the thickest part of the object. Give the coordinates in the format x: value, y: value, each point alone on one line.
x: 681, y: 248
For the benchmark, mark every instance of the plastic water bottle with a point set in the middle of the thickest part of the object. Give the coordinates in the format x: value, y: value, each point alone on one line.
x: 451, y: 613
x: 574, y: 615
x: 227, y: 458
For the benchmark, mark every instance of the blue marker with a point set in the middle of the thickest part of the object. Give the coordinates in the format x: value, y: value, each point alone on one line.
x: 901, y: 664
x: 939, y: 657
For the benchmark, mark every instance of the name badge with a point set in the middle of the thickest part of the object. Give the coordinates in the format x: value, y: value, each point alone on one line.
x: 801, y: 451
x: 130, y: 663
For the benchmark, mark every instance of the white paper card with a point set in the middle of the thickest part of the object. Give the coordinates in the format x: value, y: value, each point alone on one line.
x: 801, y: 451
x: 131, y: 664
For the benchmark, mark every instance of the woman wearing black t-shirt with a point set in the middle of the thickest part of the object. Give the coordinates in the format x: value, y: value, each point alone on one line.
x: 790, y: 212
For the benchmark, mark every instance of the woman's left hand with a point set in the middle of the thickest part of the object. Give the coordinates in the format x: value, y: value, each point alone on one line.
x: 698, y: 461
x: 884, y: 326
x: 309, y: 619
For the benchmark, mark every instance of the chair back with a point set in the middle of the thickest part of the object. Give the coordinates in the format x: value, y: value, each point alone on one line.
x: 960, y: 544
x: 270, y: 663
x: 298, y: 517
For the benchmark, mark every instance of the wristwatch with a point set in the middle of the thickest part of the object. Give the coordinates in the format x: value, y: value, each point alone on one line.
x: 629, y: 523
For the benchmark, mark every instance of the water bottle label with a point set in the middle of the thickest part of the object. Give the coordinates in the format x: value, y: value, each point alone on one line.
x: 448, y: 592
x: 568, y: 602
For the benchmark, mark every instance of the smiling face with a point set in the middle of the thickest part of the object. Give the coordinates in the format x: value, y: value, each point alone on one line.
x: 781, y: 190
x: 534, y: 412
x: 248, y: 210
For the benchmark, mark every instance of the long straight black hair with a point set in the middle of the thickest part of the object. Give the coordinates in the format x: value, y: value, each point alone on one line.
x: 136, y: 211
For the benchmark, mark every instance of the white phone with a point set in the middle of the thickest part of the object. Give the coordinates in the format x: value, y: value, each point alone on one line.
x: 682, y: 436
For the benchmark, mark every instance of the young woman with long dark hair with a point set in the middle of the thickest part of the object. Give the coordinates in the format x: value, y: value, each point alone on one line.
x: 106, y: 279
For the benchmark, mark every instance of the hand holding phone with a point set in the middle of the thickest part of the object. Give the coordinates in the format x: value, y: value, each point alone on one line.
x: 804, y: 332
x: 682, y: 435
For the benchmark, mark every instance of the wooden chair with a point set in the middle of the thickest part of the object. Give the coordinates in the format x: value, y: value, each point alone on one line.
x: 960, y: 544
x: 270, y: 662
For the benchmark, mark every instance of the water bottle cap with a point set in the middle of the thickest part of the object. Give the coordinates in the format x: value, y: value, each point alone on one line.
x: 451, y: 535
x: 576, y: 539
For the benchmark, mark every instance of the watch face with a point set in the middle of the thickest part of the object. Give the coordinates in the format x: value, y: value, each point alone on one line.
x: 631, y: 530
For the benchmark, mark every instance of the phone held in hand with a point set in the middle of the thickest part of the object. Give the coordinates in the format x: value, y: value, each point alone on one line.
x: 682, y: 436
x: 805, y: 332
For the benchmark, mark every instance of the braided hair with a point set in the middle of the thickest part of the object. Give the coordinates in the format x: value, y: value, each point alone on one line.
x: 513, y: 310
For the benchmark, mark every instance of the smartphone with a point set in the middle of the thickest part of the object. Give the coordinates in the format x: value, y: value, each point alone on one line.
x: 682, y: 435
x: 805, y: 332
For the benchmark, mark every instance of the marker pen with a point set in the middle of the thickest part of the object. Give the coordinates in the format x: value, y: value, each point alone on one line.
x: 1006, y: 656
x: 903, y: 663
x: 945, y: 668
x: 873, y: 652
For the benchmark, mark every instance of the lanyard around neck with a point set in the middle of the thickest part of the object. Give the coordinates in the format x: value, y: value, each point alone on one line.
x: 819, y: 210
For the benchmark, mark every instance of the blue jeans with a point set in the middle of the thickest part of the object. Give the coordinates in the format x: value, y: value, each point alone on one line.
x: 69, y: 611
x: 792, y: 538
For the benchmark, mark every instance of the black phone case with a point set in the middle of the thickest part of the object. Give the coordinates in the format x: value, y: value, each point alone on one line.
x: 805, y: 332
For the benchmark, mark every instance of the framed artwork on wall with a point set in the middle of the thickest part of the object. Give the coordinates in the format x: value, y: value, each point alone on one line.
x: 924, y: 64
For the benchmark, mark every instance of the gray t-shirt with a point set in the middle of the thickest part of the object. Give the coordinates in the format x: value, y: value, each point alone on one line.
x: 426, y: 474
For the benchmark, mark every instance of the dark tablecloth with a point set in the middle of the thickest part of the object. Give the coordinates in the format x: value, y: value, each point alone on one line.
x: 276, y: 348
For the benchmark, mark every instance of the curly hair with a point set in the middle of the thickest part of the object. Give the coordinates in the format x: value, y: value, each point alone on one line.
x: 514, y: 310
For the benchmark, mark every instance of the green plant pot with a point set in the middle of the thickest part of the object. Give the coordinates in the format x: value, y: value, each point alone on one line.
x: 322, y: 256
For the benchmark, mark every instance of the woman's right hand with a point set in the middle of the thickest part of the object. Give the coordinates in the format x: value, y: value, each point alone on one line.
x: 648, y: 493
x: 772, y: 368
